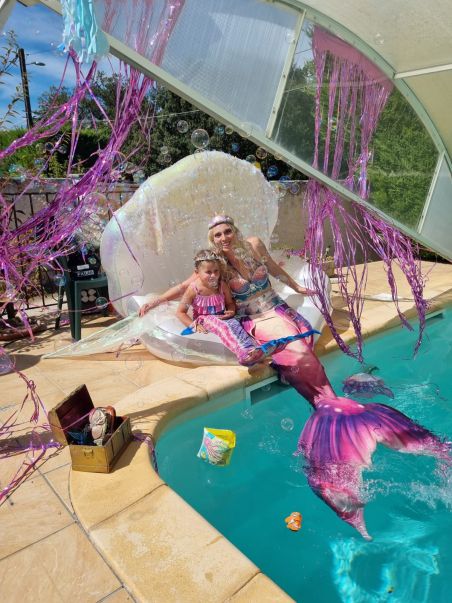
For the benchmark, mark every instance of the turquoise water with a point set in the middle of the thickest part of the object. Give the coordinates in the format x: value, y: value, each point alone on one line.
x: 410, y: 497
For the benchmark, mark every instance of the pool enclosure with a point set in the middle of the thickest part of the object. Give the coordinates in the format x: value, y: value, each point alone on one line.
x: 251, y: 64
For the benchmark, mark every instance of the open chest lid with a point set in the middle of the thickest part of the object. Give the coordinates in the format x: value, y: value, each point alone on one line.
x: 71, y: 413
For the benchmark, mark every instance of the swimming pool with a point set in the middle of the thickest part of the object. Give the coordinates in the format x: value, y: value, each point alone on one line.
x: 409, y: 497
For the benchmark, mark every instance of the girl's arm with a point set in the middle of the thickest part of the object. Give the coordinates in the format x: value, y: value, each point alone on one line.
x: 274, y: 269
x: 229, y: 302
x: 185, y: 304
x: 170, y: 294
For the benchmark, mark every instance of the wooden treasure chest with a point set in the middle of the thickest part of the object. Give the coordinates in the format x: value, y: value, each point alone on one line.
x: 70, y: 417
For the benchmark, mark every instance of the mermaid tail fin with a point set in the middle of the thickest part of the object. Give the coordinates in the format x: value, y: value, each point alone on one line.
x: 338, y: 441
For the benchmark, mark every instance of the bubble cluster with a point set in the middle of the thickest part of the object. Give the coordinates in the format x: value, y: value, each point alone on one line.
x: 200, y: 138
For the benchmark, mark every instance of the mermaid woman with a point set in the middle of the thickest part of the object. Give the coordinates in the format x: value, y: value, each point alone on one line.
x: 339, y: 438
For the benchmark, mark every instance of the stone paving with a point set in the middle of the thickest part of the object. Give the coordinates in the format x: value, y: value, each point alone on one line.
x: 88, y: 543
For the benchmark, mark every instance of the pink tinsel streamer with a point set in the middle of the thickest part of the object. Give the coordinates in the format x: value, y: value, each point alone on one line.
x: 357, y: 92
x: 47, y: 235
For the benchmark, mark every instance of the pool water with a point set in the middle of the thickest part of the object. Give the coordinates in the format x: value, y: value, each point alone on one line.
x: 409, y: 497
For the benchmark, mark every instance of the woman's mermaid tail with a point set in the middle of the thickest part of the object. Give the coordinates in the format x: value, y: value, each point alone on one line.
x: 338, y: 441
x: 339, y: 438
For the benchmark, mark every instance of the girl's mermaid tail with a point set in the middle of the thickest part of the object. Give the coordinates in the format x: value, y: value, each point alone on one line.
x: 338, y: 441
x: 236, y: 339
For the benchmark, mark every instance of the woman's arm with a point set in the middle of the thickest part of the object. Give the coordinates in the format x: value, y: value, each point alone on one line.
x: 170, y: 294
x: 228, y: 301
x: 274, y: 269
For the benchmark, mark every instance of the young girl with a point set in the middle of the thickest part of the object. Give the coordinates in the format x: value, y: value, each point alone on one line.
x: 214, y: 310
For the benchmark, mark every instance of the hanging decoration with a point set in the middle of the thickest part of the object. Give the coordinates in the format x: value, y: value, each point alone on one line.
x: 351, y: 94
x: 49, y: 234
x: 81, y: 32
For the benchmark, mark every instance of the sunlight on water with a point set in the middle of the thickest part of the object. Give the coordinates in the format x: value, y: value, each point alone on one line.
x: 409, y: 497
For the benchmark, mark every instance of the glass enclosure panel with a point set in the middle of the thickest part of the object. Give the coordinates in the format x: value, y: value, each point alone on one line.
x: 403, y: 156
x: 232, y: 52
x: 437, y: 223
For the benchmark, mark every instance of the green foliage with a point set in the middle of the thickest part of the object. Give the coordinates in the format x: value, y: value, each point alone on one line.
x: 171, y: 109
x: 403, y: 164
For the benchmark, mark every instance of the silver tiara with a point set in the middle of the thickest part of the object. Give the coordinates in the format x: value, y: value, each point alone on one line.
x: 220, y: 220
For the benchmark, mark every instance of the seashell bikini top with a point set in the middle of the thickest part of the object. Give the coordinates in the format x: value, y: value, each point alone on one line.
x: 255, y: 295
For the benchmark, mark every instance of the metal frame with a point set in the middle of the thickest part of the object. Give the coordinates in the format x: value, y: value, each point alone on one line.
x: 125, y: 53
x: 430, y: 191
x: 284, y: 75
x: 343, y: 32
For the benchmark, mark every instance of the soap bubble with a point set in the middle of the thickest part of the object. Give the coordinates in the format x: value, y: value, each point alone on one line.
x: 272, y: 171
x: 139, y: 176
x: 164, y: 150
x: 182, y: 126
x: 235, y: 147
x: 379, y: 39
x: 200, y: 138
x: 247, y: 414
x: 287, y: 424
x: 245, y: 130
x: 48, y: 147
x: 6, y: 364
x: 261, y: 153
x: 62, y: 149
x: 101, y: 303
x: 219, y: 130
x: 59, y: 280
x: 284, y: 181
x: 133, y: 365
x: 229, y: 130
x: 295, y: 188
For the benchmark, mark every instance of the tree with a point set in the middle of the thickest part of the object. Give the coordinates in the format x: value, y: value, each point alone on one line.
x: 8, y: 60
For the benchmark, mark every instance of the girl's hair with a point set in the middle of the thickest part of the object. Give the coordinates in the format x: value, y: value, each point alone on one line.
x: 207, y: 255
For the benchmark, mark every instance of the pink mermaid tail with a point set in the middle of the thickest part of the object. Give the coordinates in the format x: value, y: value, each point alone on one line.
x: 338, y: 441
x: 339, y: 438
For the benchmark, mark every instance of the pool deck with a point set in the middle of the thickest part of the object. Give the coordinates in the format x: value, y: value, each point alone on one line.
x: 127, y: 536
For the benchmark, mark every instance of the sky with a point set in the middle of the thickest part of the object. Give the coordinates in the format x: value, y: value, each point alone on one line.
x: 39, y: 33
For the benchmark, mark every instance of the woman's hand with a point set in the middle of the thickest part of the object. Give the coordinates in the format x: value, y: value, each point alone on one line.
x: 227, y: 315
x: 149, y: 306
x: 304, y: 291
